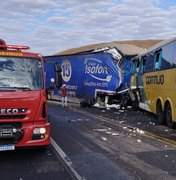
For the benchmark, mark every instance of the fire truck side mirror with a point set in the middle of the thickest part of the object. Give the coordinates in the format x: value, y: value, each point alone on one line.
x: 58, y: 78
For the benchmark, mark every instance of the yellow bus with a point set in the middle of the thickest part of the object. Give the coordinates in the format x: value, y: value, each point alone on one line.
x: 153, y: 81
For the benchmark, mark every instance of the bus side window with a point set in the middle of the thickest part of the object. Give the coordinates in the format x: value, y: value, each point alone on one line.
x: 149, y: 64
x: 142, y: 64
x: 168, y: 56
x: 174, y: 55
x: 158, y: 59
x: 135, y: 66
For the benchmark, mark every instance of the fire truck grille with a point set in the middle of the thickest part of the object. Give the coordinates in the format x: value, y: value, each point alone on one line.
x: 12, y: 117
x: 8, y: 135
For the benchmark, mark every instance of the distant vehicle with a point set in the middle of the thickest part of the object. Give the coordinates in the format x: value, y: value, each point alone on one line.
x: 153, y: 81
x: 94, y: 76
x: 23, y: 102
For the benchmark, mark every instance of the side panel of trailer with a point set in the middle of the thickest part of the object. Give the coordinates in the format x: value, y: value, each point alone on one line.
x: 86, y: 75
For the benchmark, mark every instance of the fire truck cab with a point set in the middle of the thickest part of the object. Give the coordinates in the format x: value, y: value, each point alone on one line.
x: 23, y: 102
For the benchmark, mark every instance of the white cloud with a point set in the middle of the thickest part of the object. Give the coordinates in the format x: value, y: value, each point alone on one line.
x: 50, y: 26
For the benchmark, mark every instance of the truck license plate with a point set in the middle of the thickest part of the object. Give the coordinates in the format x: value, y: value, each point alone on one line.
x: 7, y: 147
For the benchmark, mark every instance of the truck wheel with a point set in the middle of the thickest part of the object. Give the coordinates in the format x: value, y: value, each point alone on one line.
x: 160, y: 114
x: 169, y: 121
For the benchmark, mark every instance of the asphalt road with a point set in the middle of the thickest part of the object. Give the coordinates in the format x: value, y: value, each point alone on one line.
x: 33, y: 164
x: 100, y: 144
x: 102, y: 150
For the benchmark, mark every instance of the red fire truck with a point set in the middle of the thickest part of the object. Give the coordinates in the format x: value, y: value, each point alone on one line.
x: 23, y: 103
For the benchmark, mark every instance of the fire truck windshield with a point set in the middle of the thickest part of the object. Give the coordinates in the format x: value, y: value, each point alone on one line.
x: 18, y: 73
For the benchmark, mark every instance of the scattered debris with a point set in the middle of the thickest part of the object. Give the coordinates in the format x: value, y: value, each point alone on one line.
x: 104, y: 139
x: 115, y: 134
x: 116, y: 106
x: 100, y: 130
x: 72, y: 120
x: 139, y: 141
x: 151, y: 123
x: 121, y: 122
x: 108, y: 132
x: 121, y: 110
x: 140, y: 131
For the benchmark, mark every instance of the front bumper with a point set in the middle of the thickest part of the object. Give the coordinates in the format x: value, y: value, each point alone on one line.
x: 28, y: 139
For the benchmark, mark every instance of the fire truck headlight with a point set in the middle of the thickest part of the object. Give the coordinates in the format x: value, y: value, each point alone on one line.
x: 41, y: 130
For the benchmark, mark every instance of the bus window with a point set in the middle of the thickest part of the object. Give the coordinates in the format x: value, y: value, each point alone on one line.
x: 149, y: 62
x: 167, y: 54
x: 174, y: 56
x: 135, y: 66
x: 142, y: 64
x: 158, y: 59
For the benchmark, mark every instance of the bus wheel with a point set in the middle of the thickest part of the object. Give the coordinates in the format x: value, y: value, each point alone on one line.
x: 169, y: 122
x: 160, y: 114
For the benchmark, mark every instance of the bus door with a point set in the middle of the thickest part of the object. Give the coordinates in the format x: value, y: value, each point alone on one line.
x: 134, y: 72
x: 140, y: 80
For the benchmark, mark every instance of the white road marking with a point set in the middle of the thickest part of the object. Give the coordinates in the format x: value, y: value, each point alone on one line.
x: 66, y: 160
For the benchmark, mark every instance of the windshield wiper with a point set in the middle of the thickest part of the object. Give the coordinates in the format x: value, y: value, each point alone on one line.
x: 20, y: 88
x: 14, y: 88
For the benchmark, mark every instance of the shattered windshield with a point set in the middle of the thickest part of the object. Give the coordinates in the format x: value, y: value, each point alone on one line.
x: 20, y: 74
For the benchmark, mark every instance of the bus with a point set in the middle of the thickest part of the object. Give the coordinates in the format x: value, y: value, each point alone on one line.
x: 23, y: 102
x: 153, y: 81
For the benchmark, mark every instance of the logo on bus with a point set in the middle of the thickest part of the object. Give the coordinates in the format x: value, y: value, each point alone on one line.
x: 96, y: 69
x: 155, y: 79
x: 66, y: 70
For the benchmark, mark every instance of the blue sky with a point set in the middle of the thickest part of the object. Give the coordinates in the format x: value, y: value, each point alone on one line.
x: 51, y: 26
